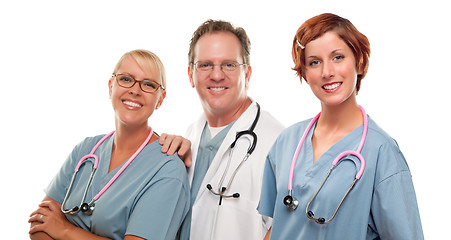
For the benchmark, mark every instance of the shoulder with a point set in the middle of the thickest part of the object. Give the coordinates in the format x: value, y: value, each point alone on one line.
x: 382, y: 141
x: 85, y: 146
x: 165, y: 166
x: 378, y: 135
x: 294, y: 131
x: 286, y: 143
x: 270, y: 121
x: 389, y: 158
x: 90, y: 142
x: 196, y: 126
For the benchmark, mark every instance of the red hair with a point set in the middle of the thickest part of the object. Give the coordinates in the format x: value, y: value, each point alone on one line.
x: 316, y: 26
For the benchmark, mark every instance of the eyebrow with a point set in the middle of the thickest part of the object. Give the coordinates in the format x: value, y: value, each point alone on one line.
x: 332, y: 53
x: 133, y: 76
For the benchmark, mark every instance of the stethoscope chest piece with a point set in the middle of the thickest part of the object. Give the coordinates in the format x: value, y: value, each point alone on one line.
x: 87, y: 208
x: 291, y: 202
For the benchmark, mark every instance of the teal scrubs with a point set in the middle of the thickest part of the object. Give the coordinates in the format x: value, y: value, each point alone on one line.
x: 208, y: 147
x: 382, y: 205
x: 150, y: 199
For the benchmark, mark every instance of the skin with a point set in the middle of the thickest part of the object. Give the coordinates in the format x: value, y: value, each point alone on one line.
x: 48, y: 222
x: 331, y: 73
x: 223, y: 96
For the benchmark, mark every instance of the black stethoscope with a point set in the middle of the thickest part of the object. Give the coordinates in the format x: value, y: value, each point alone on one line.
x: 222, y: 190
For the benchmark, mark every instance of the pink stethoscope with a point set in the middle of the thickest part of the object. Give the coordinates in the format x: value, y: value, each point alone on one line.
x: 292, y: 202
x: 88, y: 208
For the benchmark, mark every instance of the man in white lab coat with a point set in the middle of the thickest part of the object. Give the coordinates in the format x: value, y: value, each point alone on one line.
x: 224, y: 193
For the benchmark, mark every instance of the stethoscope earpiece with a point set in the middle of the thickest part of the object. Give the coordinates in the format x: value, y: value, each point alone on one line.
x: 291, y: 202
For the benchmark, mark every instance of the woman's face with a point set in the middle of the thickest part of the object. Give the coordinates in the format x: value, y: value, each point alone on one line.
x: 331, y: 69
x: 132, y: 106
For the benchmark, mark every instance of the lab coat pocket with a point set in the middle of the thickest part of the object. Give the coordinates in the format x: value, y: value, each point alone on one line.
x: 239, y: 219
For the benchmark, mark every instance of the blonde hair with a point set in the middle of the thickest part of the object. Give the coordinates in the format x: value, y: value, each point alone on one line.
x: 145, y: 60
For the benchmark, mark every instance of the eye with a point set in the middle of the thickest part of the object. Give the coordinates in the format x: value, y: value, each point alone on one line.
x: 204, y: 65
x: 150, y: 84
x: 339, y: 57
x: 230, y: 65
x: 314, y: 63
x: 124, y: 78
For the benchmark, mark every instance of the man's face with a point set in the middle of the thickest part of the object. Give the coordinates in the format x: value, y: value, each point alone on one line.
x: 220, y: 90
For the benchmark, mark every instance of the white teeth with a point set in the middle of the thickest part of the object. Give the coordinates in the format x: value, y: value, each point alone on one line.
x: 332, y: 86
x: 217, y: 88
x: 132, y: 104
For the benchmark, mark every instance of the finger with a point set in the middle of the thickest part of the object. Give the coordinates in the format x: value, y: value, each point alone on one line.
x: 36, y: 218
x: 175, y: 145
x: 40, y: 210
x: 52, y: 205
x: 188, y: 161
x: 162, y: 138
x: 36, y: 228
x: 167, y: 143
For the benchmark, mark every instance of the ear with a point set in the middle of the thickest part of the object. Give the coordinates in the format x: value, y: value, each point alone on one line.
x: 110, y: 86
x: 160, y: 101
x: 247, y: 76
x: 360, y: 67
x: 190, y: 76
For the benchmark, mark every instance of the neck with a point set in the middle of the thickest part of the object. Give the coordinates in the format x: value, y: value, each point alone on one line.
x: 345, y: 117
x: 127, y: 138
x: 220, y: 119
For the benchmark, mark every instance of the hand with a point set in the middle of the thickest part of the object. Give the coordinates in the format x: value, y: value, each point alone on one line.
x: 179, y: 144
x: 48, y: 218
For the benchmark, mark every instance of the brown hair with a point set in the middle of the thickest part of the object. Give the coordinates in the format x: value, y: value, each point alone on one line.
x: 316, y: 26
x: 212, y: 26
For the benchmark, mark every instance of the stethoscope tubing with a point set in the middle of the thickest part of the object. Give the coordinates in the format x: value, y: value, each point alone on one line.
x: 296, y: 154
x: 76, y: 209
x: 292, y: 203
x: 222, y: 190
x: 339, y: 157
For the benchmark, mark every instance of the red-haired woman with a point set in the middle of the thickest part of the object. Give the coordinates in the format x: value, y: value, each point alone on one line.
x: 338, y: 175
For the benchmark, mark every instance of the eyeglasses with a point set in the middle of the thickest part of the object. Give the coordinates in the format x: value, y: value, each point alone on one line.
x: 127, y: 81
x: 226, y: 67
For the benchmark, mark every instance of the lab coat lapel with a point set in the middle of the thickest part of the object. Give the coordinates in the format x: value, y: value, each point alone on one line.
x: 196, y: 132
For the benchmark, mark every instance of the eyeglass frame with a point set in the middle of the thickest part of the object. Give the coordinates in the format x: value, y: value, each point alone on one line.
x: 220, y: 65
x: 140, y: 81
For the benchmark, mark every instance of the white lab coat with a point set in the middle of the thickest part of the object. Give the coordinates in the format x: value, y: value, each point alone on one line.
x: 235, y: 218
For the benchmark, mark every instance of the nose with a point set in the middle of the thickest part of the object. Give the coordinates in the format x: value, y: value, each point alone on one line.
x: 217, y: 74
x: 135, y: 89
x: 328, y: 70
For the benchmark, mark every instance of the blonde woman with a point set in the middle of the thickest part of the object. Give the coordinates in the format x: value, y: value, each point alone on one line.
x: 136, y: 191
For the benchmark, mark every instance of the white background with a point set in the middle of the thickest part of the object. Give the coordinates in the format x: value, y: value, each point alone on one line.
x: 56, y: 58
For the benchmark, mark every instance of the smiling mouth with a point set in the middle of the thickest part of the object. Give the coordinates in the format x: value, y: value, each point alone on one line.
x: 217, y: 89
x: 132, y: 104
x: 332, y: 86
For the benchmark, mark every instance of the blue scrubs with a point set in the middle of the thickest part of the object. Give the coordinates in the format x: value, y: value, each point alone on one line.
x: 382, y: 205
x: 150, y: 198
x: 208, y: 147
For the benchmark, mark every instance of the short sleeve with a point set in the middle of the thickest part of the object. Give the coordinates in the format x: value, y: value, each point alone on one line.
x: 160, y: 210
x: 394, y: 206
x: 269, y: 190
